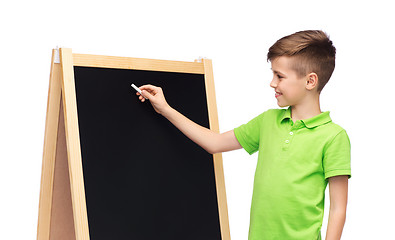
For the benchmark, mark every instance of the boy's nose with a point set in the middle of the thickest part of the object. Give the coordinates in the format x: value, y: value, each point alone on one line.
x: 273, y: 84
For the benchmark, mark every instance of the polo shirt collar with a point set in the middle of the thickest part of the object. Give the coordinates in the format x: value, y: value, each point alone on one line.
x: 287, y: 114
x: 315, y: 121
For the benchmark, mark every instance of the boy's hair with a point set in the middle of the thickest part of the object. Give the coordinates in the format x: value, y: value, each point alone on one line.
x: 312, y: 51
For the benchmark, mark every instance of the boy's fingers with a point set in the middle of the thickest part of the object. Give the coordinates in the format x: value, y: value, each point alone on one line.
x: 146, y: 94
x: 149, y: 91
x: 148, y: 87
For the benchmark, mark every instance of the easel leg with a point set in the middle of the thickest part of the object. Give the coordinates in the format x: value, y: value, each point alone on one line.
x: 55, y: 219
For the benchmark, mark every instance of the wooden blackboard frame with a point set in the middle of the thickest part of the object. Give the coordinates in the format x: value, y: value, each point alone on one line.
x: 62, y: 207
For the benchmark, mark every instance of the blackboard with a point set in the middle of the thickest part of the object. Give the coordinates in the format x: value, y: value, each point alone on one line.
x: 113, y: 168
x: 143, y: 178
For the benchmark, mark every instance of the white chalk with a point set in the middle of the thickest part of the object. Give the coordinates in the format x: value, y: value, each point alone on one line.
x: 138, y: 90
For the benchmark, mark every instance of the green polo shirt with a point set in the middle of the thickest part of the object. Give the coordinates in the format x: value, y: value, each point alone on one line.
x: 295, y: 161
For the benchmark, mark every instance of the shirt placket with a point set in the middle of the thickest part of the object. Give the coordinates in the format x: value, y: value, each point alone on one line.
x: 287, y: 140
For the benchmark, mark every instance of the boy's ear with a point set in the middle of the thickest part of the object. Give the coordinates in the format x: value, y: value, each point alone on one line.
x: 311, y: 81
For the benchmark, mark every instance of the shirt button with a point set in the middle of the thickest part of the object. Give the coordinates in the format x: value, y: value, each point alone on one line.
x: 287, y: 141
x: 291, y: 133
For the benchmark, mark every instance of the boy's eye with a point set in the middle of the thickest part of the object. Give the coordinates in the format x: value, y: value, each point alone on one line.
x: 279, y: 76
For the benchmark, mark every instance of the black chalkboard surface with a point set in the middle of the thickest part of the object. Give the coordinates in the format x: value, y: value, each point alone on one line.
x: 143, y: 178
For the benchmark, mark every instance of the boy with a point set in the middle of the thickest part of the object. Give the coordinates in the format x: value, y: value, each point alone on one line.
x: 300, y: 148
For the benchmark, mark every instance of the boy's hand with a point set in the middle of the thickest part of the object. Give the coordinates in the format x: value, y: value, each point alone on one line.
x: 155, y: 96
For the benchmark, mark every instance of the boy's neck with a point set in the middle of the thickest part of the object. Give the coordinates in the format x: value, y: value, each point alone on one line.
x: 306, y: 109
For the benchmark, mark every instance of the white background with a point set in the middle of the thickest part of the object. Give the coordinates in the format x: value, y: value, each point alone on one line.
x: 236, y: 35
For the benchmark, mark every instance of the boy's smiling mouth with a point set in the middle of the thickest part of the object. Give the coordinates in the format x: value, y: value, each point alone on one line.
x: 278, y: 94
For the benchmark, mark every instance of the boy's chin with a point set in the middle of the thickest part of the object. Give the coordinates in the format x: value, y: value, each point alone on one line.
x: 282, y: 105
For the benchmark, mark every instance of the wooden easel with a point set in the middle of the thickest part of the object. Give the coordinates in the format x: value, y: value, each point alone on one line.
x: 62, y: 209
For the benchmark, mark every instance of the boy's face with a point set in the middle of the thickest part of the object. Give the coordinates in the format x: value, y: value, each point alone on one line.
x: 289, y: 87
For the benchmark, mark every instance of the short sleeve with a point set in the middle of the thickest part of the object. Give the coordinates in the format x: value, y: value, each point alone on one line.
x: 248, y: 134
x: 337, y: 156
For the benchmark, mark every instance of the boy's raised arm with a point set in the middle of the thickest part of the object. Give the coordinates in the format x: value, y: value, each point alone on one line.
x: 209, y: 140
